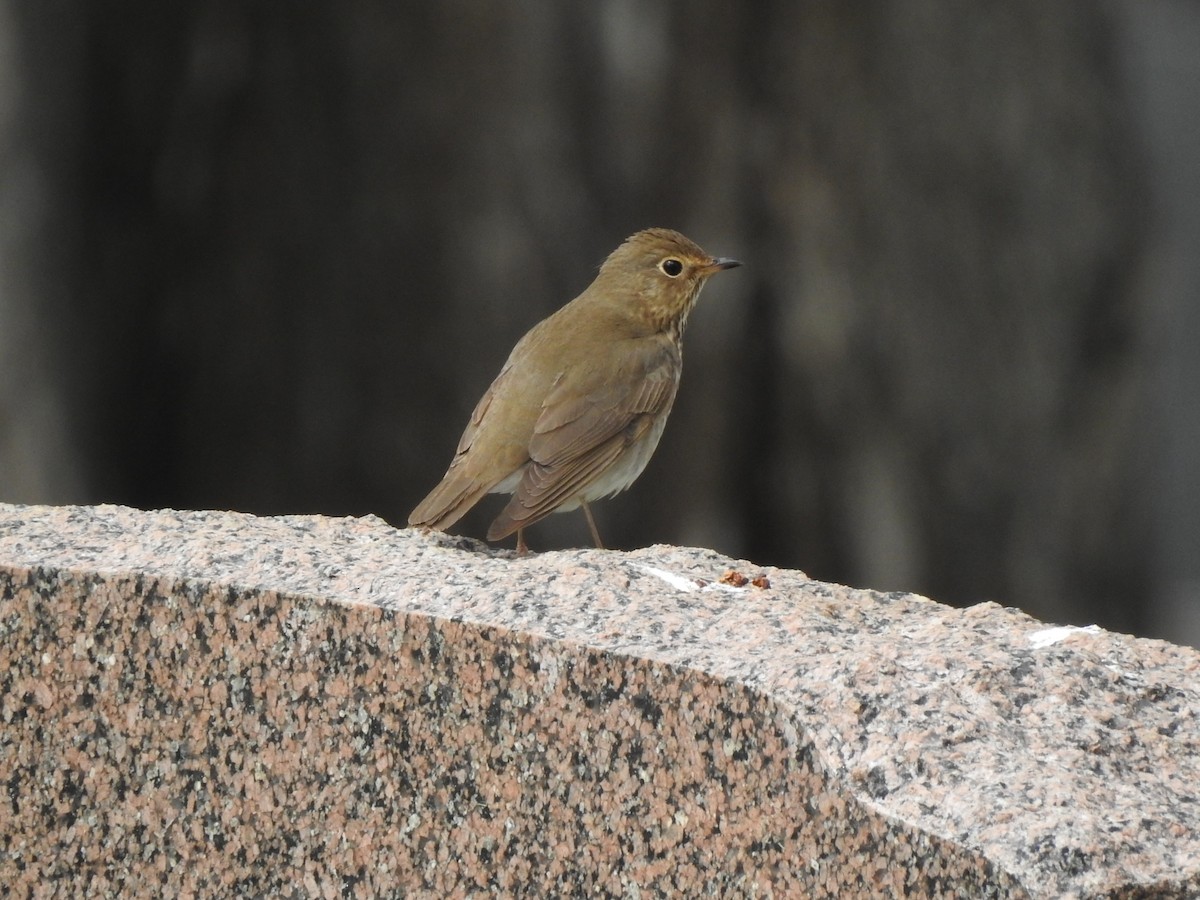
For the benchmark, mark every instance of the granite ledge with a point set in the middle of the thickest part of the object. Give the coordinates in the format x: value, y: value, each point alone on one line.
x: 210, y: 702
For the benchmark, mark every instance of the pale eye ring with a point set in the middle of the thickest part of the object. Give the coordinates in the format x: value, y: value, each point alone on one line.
x: 671, y: 267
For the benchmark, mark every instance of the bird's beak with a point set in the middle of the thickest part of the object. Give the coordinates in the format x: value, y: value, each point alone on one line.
x: 719, y: 263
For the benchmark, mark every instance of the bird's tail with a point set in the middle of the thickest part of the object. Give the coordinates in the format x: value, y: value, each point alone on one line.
x: 449, y: 501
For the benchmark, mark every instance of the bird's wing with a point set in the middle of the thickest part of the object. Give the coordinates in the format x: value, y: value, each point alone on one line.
x: 590, y: 416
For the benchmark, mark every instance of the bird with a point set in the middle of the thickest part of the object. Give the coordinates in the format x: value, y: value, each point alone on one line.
x: 581, y: 402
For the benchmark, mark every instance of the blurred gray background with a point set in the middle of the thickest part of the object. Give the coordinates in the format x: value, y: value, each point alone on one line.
x: 267, y: 258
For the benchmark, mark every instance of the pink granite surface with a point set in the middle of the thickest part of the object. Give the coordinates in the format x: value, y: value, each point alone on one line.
x: 203, y: 703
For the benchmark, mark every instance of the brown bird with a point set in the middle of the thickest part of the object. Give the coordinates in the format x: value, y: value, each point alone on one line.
x: 579, y: 406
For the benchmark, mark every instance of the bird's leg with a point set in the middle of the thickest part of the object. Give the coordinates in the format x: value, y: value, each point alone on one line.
x: 592, y: 526
x: 522, y: 547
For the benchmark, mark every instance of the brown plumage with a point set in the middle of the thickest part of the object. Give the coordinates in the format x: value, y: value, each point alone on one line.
x: 578, y: 408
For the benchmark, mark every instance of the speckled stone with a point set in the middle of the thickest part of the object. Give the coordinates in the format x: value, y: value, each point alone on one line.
x: 200, y: 703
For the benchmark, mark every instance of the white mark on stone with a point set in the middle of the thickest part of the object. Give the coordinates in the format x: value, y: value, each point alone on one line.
x: 1049, y: 636
x: 680, y: 583
x: 676, y: 581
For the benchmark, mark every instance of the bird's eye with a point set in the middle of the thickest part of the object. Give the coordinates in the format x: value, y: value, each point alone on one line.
x: 671, y: 267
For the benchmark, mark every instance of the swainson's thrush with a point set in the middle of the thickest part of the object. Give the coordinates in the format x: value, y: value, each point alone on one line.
x: 579, y: 406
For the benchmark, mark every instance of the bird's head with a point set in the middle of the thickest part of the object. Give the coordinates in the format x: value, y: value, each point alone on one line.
x: 660, y: 273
